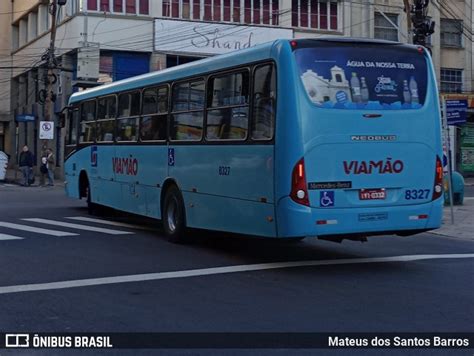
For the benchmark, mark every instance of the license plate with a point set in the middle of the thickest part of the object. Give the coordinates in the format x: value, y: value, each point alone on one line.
x: 372, y: 194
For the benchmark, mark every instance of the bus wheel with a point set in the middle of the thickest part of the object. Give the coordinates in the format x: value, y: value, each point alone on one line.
x: 174, y: 215
x: 92, y: 208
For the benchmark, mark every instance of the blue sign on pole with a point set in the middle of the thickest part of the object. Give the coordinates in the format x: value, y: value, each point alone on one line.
x: 25, y: 118
x: 456, y: 111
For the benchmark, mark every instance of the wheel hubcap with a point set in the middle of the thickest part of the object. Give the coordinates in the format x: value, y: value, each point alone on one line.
x: 171, y: 215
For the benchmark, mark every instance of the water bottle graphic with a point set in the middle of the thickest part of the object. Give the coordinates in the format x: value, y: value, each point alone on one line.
x: 364, y: 91
x: 406, y: 93
x: 355, y: 87
x: 414, y: 91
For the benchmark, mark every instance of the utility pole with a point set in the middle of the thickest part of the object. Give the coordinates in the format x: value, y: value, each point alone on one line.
x: 50, y: 97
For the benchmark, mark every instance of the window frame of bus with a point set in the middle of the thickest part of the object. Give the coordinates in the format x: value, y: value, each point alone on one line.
x: 99, y: 121
x: 81, y: 121
x: 158, y: 114
x: 203, y: 109
x: 74, y: 110
x: 209, y: 98
x: 136, y: 117
x: 252, y: 98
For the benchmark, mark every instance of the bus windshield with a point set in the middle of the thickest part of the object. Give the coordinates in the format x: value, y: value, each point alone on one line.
x: 366, y: 76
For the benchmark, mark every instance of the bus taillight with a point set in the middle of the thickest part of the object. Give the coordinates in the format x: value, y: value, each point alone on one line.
x: 438, y: 182
x: 299, y: 189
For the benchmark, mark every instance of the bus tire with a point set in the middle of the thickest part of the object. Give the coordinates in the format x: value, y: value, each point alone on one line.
x: 174, y: 215
x: 92, y: 208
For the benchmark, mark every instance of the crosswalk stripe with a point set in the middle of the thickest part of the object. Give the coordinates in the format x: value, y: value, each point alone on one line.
x: 4, y: 237
x: 77, y: 226
x: 108, y: 222
x: 37, y: 230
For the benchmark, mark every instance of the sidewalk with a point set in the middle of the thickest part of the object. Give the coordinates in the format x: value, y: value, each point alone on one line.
x: 463, y: 221
x: 469, y: 181
x: 11, y: 178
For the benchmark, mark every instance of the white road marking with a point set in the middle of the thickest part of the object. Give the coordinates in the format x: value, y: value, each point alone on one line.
x: 4, y: 237
x: 108, y: 222
x: 78, y: 226
x: 37, y: 230
x: 219, y: 270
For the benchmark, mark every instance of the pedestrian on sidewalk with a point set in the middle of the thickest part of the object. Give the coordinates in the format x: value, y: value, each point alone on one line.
x: 26, y: 165
x: 44, y: 166
x: 50, y: 164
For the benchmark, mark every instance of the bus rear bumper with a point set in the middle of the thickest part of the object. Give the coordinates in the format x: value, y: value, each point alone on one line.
x: 298, y: 220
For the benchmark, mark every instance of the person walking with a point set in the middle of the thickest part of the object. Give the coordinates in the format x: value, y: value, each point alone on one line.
x: 43, y: 170
x: 50, y: 164
x: 26, y: 165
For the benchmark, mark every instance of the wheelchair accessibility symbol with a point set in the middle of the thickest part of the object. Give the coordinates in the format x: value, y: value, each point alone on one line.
x: 170, y: 156
x: 326, y: 199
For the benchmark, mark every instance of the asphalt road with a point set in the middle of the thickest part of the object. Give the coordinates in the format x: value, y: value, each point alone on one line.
x: 334, y: 293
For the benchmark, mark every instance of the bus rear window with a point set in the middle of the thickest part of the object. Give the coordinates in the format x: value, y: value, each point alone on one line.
x: 369, y: 77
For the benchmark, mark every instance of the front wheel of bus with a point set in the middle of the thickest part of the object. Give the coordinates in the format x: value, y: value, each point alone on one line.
x: 92, y: 208
x: 174, y: 216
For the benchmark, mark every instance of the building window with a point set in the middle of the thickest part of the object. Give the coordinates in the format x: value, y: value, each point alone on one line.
x: 227, y: 10
x: 254, y: 11
x: 130, y: 7
x: 92, y: 5
x: 451, y: 33
x: 144, y: 7
x: 451, y: 80
x: 104, y: 5
x: 118, y: 6
x: 141, y: 7
x: 384, y: 29
x: 322, y: 15
x: 166, y: 8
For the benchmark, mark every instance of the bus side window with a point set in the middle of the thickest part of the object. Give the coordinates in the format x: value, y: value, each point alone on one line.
x: 71, y: 128
x: 88, y: 112
x: 264, y: 96
x: 106, y: 110
x: 227, y: 113
x: 153, y: 122
x: 128, y: 116
x: 187, y: 111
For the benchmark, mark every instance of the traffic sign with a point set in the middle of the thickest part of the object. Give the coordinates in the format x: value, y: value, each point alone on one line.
x: 25, y: 118
x: 46, y: 131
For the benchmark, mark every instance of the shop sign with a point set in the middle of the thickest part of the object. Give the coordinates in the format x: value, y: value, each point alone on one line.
x: 456, y: 111
x: 467, y: 159
x: 467, y: 148
x: 211, y: 38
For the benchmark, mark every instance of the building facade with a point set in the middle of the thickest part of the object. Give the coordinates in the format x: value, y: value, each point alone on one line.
x: 99, y: 41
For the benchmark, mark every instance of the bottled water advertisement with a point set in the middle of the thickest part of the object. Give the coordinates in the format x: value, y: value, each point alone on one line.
x: 368, y: 78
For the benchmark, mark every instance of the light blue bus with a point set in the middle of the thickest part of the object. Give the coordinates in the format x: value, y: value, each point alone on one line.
x: 334, y: 138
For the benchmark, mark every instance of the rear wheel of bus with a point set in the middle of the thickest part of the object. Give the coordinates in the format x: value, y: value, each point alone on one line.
x: 174, y: 215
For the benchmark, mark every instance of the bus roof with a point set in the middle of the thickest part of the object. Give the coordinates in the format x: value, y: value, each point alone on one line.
x: 253, y: 54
